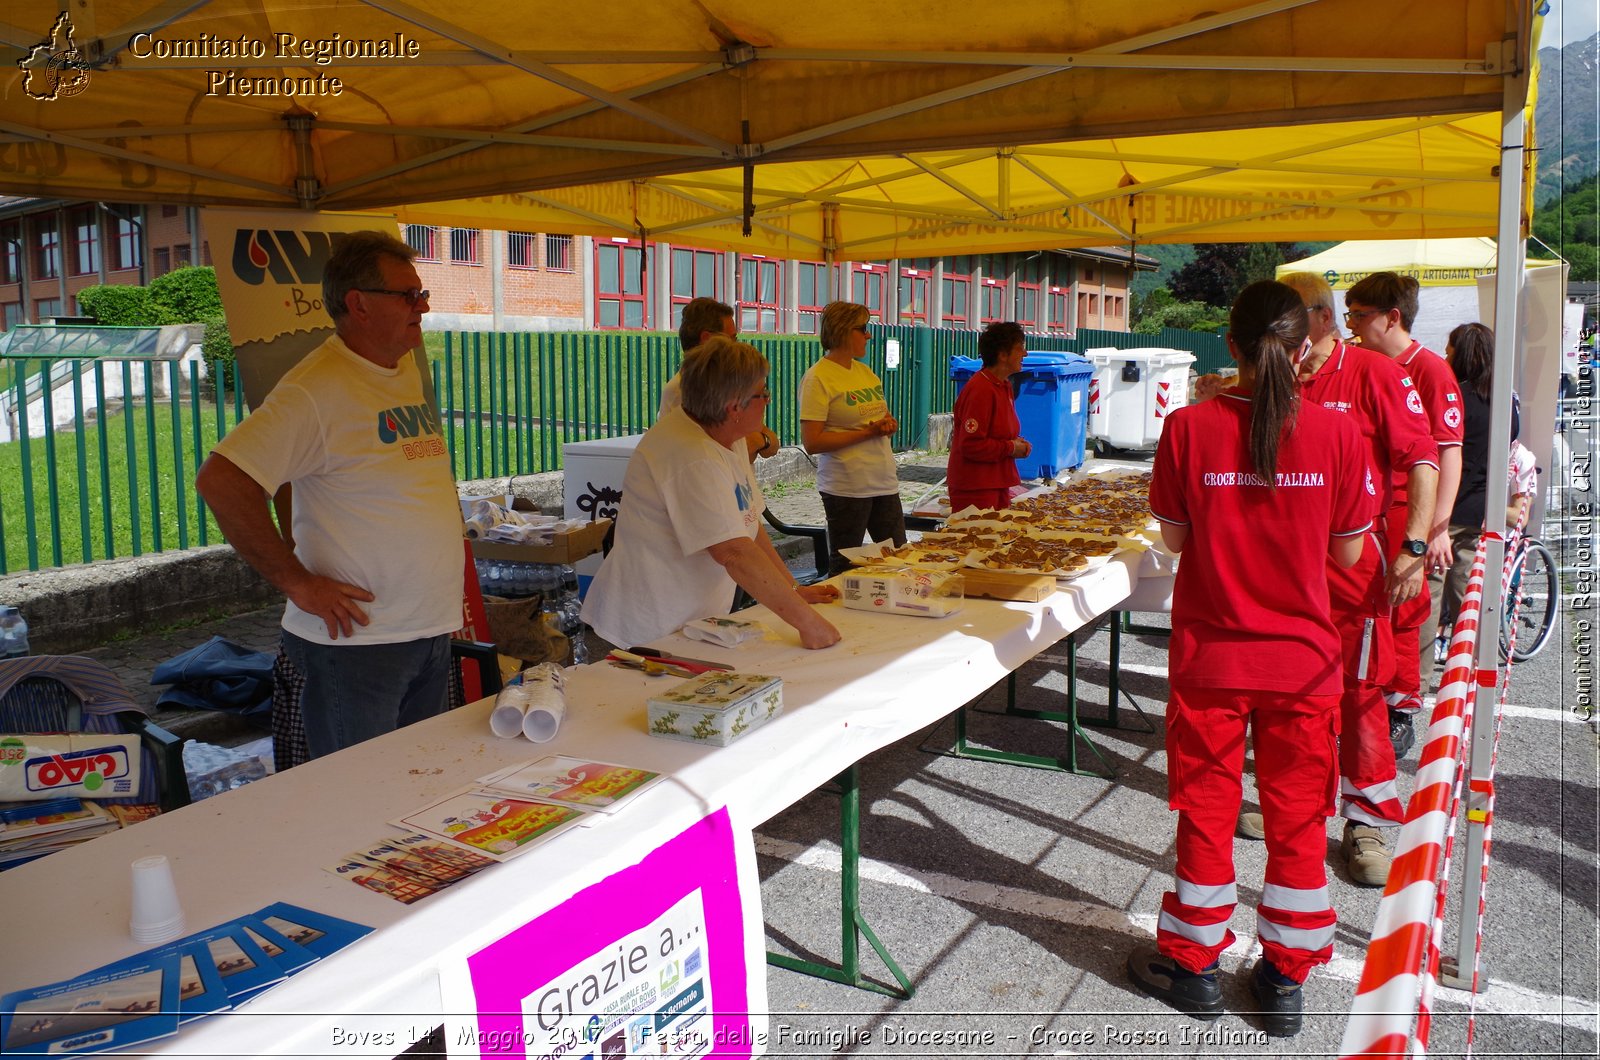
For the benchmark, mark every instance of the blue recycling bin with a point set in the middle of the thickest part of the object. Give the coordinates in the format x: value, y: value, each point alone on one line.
x: 1052, y: 397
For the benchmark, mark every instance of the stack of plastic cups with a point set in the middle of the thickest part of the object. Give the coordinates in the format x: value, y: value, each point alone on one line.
x: 156, y: 916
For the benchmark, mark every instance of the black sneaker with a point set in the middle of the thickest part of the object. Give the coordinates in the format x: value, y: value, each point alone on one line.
x: 1279, y: 998
x: 1401, y: 733
x: 1197, y: 993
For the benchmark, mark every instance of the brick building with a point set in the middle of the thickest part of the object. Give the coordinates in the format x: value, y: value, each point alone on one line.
x: 482, y: 280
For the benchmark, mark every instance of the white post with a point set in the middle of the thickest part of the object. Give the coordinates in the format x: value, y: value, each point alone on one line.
x: 1511, y: 257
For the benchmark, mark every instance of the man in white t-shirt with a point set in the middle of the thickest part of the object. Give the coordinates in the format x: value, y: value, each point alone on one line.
x: 704, y: 318
x: 690, y: 529
x: 371, y: 559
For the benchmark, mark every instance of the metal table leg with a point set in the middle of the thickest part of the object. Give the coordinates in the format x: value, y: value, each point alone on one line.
x: 852, y: 924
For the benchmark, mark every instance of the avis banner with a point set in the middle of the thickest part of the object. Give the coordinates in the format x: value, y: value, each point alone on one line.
x: 269, y: 273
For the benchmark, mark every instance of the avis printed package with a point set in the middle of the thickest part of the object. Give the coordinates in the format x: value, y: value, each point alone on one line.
x: 84, y: 765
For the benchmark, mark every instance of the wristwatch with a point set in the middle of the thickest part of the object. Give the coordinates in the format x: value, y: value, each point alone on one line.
x: 1412, y: 546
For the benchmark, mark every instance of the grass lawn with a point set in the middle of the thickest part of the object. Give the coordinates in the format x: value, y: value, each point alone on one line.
x: 83, y: 496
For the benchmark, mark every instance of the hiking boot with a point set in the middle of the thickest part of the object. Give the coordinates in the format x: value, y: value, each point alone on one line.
x: 1365, y: 854
x: 1401, y: 733
x: 1251, y: 826
x: 1197, y: 993
x: 1279, y: 998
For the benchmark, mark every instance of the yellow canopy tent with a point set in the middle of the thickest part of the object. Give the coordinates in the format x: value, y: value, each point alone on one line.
x: 344, y: 104
x: 1433, y: 262
x: 1347, y: 180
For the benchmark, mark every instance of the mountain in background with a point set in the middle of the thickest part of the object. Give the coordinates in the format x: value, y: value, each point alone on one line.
x: 1565, y: 123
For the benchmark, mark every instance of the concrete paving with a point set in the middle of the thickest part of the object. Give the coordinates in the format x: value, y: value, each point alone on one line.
x: 1012, y: 896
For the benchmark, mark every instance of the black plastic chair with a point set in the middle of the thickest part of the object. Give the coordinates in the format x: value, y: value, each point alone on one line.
x: 41, y: 702
x: 819, y: 544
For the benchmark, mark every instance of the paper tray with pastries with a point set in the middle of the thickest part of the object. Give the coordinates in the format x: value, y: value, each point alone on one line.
x: 882, y: 552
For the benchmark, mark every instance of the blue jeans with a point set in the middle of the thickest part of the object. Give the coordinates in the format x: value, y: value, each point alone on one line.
x: 354, y: 692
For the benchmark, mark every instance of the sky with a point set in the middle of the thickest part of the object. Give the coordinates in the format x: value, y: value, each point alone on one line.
x: 1571, y: 20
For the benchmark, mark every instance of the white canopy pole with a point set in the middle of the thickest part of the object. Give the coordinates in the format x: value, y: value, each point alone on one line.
x: 1508, y: 358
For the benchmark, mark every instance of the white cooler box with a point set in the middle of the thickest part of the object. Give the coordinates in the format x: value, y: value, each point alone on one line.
x: 1133, y: 392
x: 592, y: 488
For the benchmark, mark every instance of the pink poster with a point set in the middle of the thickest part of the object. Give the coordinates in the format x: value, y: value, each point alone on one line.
x: 650, y: 961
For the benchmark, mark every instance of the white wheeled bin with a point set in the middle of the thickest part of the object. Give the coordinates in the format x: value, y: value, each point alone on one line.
x: 1133, y: 392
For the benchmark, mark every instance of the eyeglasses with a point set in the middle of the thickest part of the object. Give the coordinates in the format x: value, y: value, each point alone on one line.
x: 863, y: 329
x: 1352, y: 317
x: 764, y: 394
x: 412, y: 295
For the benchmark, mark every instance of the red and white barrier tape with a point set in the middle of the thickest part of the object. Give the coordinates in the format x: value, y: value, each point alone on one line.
x: 1399, y: 976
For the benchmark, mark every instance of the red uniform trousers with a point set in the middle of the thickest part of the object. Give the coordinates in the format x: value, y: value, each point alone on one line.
x: 990, y: 497
x: 1358, y: 605
x: 1406, y: 621
x: 1295, y: 736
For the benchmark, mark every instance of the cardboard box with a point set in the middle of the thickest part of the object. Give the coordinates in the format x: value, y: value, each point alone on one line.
x: 715, y: 708
x: 566, y: 547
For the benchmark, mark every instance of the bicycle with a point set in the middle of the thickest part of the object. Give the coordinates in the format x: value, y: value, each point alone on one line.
x: 1530, y: 605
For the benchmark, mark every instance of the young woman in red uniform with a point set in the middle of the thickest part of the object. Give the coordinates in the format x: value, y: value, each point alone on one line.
x: 984, y: 442
x: 1256, y: 488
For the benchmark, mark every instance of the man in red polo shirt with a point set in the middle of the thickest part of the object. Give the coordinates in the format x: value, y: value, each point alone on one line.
x: 1381, y: 309
x: 1373, y: 391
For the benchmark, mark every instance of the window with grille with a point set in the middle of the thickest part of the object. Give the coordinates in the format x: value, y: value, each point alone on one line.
x: 520, y: 249
x: 695, y: 274
x: 464, y: 246
x: 182, y: 256
x: 620, y: 296
x: 813, y: 281
x: 424, y: 239
x: 163, y: 261
x: 46, y: 249
x: 558, y: 253
x: 85, y: 241
x: 759, y: 302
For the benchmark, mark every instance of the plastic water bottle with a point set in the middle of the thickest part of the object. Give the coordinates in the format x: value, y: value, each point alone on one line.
x: 570, y: 617
x: 13, y: 633
x: 212, y: 770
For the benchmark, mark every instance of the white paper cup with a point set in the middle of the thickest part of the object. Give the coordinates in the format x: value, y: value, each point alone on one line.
x: 540, y: 724
x: 506, y: 720
x: 156, y: 915
x: 547, y: 703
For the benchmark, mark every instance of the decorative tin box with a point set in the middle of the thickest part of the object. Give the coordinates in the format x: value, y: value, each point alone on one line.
x: 715, y: 708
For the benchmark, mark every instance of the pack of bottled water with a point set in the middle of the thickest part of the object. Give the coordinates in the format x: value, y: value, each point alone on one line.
x: 556, y: 585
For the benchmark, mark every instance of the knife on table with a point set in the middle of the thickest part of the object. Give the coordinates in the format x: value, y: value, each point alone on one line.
x: 679, y: 660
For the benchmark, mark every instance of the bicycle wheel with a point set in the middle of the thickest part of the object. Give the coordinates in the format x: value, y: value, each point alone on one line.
x: 1536, y: 589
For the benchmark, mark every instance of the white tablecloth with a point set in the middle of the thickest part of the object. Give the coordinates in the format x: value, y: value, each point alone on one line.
x: 270, y: 841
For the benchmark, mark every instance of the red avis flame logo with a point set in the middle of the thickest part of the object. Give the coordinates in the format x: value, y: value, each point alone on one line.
x: 258, y: 257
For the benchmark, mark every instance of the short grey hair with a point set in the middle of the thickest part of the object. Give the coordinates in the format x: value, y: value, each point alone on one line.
x: 1315, y: 292
x: 354, y: 264
x: 700, y: 316
x: 717, y: 373
x: 838, y: 319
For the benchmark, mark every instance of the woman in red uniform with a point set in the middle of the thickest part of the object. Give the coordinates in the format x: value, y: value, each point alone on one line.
x: 984, y: 442
x: 1256, y: 488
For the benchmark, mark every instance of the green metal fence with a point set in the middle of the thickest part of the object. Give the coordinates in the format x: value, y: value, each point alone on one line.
x: 109, y: 476
x: 106, y: 475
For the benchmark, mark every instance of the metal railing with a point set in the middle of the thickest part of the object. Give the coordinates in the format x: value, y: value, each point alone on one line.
x: 101, y: 469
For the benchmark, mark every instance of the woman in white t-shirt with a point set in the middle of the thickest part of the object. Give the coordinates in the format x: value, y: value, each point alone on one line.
x: 845, y: 423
